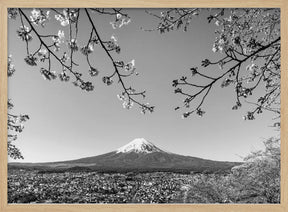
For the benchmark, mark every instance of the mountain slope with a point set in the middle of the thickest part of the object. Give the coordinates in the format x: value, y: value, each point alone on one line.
x: 138, y: 155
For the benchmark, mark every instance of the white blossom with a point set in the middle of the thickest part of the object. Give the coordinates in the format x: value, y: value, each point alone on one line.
x: 130, y: 66
x: 42, y: 52
x: 63, y: 18
x: 61, y: 35
x: 118, y: 16
x: 39, y: 17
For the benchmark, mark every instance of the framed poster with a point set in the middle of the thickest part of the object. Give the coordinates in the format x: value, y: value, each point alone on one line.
x: 130, y: 106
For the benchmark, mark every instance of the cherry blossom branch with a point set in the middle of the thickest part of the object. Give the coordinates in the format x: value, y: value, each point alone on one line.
x: 127, y: 91
x: 247, y: 36
x: 70, y: 17
x: 205, y: 89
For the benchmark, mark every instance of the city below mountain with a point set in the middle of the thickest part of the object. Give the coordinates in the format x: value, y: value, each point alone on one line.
x: 139, y: 155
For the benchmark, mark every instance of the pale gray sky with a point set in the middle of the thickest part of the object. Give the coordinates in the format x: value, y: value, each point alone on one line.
x: 68, y: 123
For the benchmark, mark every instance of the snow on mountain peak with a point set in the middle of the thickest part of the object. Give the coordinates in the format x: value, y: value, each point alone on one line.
x: 139, y: 145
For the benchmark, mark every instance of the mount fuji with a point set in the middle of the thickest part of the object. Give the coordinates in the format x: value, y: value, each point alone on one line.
x: 138, y: 155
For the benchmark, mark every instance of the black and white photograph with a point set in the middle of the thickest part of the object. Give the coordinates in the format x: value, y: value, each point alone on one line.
x: 144, y: 105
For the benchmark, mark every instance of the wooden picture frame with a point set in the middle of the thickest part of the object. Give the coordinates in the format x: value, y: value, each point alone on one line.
x: 282, y: 207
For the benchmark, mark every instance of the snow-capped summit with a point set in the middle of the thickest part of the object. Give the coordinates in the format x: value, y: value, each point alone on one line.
x: 139, y: 145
